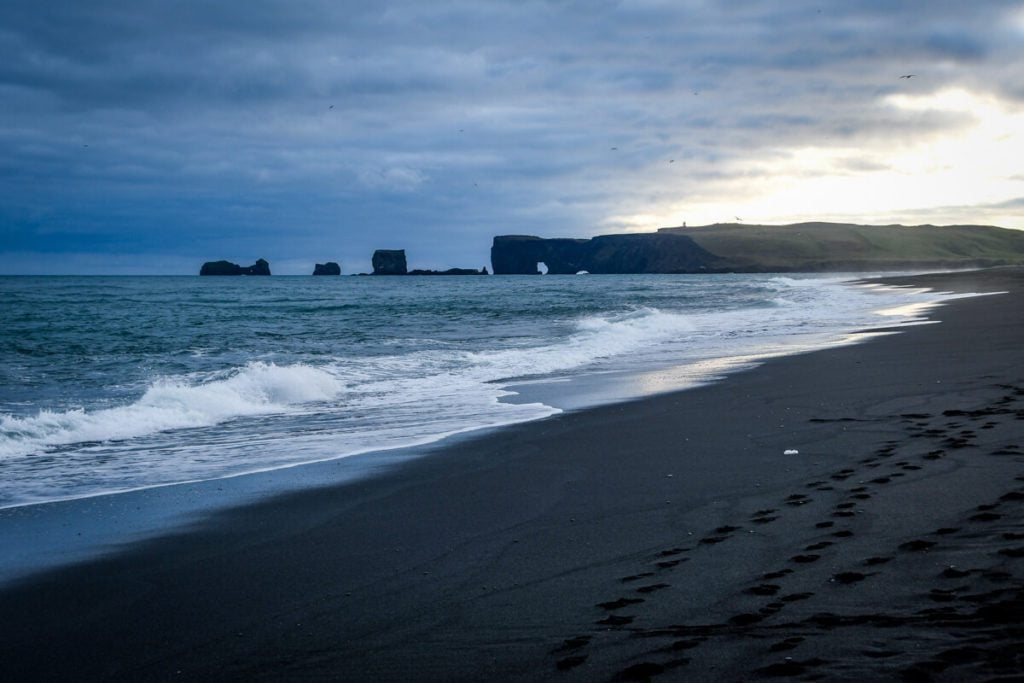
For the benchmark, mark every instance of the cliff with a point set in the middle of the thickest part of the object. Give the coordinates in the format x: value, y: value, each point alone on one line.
x: 389, y: 262
x: 640, y: 253
x: 818, y: 246
x: 731, y: 247
x: 329, y: 268
x: 261, y: 267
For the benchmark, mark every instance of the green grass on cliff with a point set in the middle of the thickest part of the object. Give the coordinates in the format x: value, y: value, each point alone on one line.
x: 834, y: 246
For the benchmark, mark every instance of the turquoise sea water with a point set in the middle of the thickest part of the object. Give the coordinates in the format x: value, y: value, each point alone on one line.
x: 112, y: 384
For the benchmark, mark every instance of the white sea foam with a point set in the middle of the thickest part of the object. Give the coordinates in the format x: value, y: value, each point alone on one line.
x: 262, y: 416
x: 173, y: 403
x: 595, y: 338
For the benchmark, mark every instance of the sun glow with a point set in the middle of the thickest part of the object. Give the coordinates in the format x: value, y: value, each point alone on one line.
x: 923, y: 178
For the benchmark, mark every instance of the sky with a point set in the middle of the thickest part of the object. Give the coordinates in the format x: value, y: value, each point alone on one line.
x: 146, y: 137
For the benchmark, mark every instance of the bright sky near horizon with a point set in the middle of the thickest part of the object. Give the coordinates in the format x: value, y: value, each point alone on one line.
x: 148, y: 137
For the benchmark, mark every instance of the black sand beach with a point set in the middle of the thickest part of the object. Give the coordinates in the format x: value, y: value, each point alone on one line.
x: 669, y: 538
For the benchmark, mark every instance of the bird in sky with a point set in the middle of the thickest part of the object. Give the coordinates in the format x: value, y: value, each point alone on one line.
x: 671, y: 161
x: 908, y: 76
x: 331, y: 107
x: 615, y: 149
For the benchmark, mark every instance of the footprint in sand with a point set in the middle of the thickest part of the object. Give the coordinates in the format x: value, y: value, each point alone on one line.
x: 849, y: 577
x: 644, y: 671
x: 805, y: 559
x: 917, y: 546
x: 945, y: 595
x: 570, y: 662
x: 574, y: 643
x: 785, y: 645
x: 615, y: 620
x: 619, y: 604
x: 763, y: 520
x: 712, y: 540
x: 819, y: 545
x: 746, y: 619
x: 686, y: 644
x: 776, y: 575
x: 985, y: 517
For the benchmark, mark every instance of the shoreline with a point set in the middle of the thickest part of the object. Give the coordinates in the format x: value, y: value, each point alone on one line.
x: 505, y: 554
x: 108, y: 520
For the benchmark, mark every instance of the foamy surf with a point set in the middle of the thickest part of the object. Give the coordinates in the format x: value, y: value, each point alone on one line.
x: 370, y: 366
x: 173, y: 403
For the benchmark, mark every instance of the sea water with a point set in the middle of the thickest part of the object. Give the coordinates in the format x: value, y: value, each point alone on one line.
x: 111, y: 384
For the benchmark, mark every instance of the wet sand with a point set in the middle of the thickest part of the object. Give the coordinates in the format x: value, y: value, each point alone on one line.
x: 665, y: 538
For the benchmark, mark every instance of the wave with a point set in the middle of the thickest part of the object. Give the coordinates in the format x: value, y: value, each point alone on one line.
x: 174, y: 403
x: 593, y: 338
x: 411, y: 389
x: 468, y: 383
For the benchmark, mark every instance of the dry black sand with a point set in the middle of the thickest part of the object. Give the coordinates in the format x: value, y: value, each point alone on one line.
x: 665, y: 538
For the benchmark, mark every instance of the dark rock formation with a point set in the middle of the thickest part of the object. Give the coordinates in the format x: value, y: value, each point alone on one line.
x: 329, y: 268
x: 745, y: 248
x: 450, y: 271
x: 640, y: 253
x: 389, y: 262
x: 261, y: 267
x: 819, y: 246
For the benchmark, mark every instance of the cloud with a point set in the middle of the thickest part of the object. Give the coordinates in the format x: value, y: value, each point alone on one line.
x: 313, y: 130
x: 394, y: 179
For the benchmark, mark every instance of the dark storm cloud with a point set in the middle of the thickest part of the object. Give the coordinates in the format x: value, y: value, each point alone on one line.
x: 323, y: 129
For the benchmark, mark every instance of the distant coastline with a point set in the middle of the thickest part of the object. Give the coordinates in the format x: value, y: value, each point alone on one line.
x: 740, y: 248
x: 814, y: 247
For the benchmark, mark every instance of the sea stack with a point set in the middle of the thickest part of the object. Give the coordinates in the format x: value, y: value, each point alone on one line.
x: 261, y: 267
x: 389, y: 262
x: 329, y: 268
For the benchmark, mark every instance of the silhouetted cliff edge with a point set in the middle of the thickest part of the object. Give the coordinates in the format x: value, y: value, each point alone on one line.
x: 733, y: 247
x: 261, y: 267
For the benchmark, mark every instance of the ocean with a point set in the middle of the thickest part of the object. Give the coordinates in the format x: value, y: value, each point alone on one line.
x: 112, y: 384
